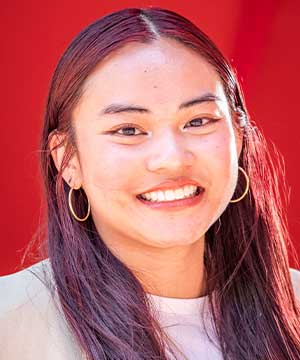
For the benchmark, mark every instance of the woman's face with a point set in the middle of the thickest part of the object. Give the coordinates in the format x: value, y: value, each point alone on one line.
x: 167, y: 138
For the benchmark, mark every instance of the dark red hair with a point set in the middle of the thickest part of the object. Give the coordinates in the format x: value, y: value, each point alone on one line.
x: 253, y: 304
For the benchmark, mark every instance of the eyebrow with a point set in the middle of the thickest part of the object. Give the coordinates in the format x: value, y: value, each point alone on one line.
x: 122, y: 108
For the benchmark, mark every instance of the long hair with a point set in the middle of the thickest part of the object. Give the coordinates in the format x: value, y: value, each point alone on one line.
x: 253, y: 306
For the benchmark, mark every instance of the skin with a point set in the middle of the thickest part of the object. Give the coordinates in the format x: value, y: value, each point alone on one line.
x: 164, y: 248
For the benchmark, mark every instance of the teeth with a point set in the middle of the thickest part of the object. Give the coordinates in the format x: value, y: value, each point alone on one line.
x: 169, y: 195
x: 187, y: 190
x: 160, y: 196
x: 179, y: 194
x: 147, y: 196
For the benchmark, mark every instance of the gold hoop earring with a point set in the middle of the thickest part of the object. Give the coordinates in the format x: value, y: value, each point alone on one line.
x: 72, y: 210
x: 247, y: 186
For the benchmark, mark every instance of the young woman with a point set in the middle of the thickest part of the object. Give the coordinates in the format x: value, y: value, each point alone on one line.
x: 166, y: 237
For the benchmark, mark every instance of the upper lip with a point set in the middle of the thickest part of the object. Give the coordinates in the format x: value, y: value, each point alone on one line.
x: 172, y: 185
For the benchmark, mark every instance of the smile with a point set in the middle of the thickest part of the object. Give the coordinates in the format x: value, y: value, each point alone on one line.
x: 180, y: 193
x: 173, y: 200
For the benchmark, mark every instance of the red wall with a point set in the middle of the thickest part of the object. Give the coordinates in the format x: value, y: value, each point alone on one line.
x: 260, y: 37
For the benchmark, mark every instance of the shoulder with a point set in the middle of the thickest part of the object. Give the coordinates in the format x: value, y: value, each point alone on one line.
x: 23, y: 287
x: 295, y: 277
x: 31, y: 322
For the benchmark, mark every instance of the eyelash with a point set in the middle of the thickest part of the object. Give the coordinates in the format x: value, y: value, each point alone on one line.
x: 131, y: 126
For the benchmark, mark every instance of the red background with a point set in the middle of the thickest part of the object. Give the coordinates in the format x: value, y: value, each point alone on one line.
x: 261, y: 38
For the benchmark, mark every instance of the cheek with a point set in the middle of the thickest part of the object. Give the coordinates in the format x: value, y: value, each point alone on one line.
x: 224, y: 153
x: 223, y: 168
x: 111, y: 167
x: 216, y: 153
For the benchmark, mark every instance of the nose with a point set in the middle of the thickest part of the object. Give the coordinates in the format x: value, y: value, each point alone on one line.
x: 169, y: 153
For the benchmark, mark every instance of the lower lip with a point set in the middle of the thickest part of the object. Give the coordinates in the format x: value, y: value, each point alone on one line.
x: 174, y: 204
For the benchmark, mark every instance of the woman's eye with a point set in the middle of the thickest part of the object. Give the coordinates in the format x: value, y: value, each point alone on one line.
x: 128, y: 131
x: 199, y: 122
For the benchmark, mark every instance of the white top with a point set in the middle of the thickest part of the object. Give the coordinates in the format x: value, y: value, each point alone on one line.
x: 32, y: 326
x: 185, y: 321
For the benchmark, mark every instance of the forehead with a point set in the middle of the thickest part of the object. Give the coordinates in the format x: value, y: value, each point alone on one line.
x: 163, y: 73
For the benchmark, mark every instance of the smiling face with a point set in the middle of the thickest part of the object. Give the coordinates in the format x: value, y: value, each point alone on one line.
x: 154, y: 116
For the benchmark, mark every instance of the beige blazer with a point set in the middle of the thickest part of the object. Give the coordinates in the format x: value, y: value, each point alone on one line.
x: 32, y: 325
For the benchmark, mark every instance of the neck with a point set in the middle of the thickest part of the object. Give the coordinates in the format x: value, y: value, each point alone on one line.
x: 176, y: 272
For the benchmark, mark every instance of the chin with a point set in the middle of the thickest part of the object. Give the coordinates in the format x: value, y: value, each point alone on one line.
x: 168, y: 241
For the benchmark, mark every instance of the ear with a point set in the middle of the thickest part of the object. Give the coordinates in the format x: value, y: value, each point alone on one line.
x: 238, y: 128
x: 239, y: 142
x: 60, y: 149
